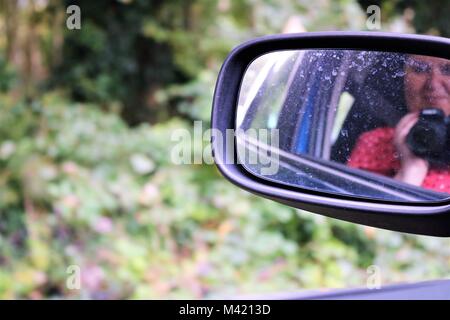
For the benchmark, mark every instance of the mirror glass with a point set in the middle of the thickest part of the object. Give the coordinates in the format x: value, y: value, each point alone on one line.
x: 362, y: 123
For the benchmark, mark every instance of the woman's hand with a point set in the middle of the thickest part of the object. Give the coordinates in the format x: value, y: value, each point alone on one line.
x: 413, y: 169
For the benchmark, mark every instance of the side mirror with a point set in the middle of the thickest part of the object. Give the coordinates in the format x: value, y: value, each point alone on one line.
x: 354, y: 126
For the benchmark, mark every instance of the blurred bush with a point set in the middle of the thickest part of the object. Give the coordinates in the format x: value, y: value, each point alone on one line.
x: 79, y: 187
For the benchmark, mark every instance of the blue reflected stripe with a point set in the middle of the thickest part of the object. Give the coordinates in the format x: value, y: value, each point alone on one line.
x: 304, y: 130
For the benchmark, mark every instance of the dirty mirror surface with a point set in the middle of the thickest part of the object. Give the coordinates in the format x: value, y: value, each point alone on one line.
x: 361, y: 123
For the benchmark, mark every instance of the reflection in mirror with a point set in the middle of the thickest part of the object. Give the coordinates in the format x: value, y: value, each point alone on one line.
x: 362, y: 123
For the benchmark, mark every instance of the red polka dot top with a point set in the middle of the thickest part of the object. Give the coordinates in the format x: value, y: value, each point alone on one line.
x: 375, y: 151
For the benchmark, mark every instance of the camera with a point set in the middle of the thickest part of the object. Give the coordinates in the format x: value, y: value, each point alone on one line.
x: 429, y: 138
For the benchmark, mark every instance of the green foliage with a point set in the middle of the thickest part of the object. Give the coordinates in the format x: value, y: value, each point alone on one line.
x: 7, y: 76
x: 85, y: 189
x: 111, y: 60
x: 79, y: 187
x: 135, y: 48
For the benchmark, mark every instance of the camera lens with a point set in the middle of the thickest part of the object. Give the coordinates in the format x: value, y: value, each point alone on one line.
x: 428, y: 137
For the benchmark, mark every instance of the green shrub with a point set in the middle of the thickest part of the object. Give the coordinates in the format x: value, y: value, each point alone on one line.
x: 79, y: 187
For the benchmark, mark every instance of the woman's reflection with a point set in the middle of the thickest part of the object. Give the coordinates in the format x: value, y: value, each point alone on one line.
x: 392, y: 152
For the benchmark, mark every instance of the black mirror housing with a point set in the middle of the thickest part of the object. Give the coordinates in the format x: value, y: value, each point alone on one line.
x: 426, y: 218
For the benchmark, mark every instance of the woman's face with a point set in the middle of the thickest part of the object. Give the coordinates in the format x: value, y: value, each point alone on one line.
x: 427, y: 83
